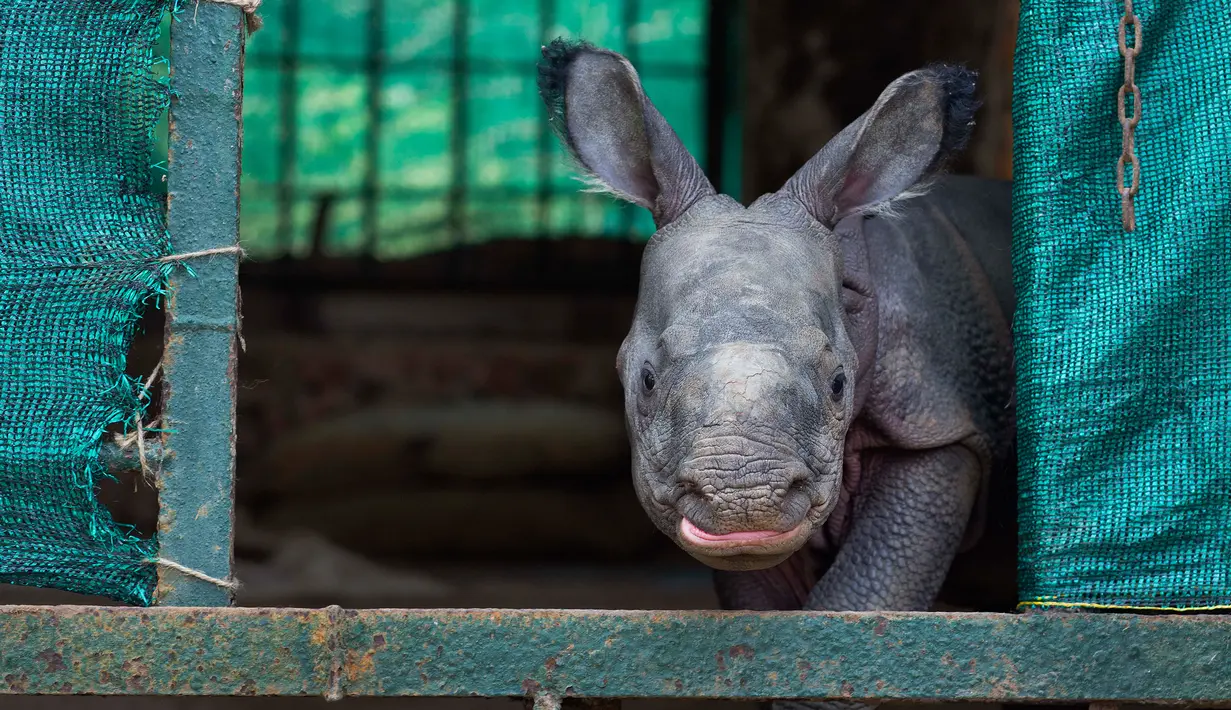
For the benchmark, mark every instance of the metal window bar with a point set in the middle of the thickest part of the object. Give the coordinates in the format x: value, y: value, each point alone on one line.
x: 547, y: 9
x: 459, y: 127
x: 724, y: 97
x: 196, y: 480
x: 182, y: 649
x: 288, y: 101
x: 631, y: 11
x: 375, y: 76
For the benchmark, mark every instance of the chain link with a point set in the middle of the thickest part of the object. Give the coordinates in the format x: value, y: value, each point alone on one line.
x: 1128, y: 154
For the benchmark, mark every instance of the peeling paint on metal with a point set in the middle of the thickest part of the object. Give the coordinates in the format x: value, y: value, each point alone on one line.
x: 202, y: 313
x: 126, y: 651
x: 1034, y: 658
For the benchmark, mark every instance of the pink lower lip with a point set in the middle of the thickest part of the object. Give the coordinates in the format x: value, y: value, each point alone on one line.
x: 697, y: 536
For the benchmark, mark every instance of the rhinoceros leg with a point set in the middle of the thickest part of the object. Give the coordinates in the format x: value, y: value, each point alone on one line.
x: 903, y: 537
x: 904, y: 534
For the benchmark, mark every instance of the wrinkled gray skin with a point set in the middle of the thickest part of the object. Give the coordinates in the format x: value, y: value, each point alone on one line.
x: 828, y: 370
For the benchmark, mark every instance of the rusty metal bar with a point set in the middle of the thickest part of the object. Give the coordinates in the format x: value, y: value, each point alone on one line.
x: 196, y: 481
x: 551, y: 655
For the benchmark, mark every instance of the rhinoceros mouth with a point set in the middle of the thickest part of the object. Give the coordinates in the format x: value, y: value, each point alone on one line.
x: 745, y: 550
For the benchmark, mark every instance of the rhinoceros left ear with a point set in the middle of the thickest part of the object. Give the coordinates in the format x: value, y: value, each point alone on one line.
x: 600, y: 112
x: 890, y: 152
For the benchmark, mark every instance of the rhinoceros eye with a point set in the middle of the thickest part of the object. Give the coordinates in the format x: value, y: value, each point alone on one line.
x: 838, y: 387
x: 647, y: 379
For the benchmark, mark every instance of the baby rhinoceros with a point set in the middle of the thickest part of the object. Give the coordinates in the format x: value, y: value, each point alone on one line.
x: 817, y: 386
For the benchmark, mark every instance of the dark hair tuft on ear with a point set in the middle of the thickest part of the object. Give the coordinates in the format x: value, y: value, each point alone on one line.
x: 553, y: 75
x: 960, y: 85
x: 612, y: 134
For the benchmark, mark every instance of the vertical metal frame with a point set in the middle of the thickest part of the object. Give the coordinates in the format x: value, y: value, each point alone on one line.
x: 459, y: 125
x: 724, y: 96
x: 196, y: 486
x: 375, y: 106
x: 288, y: 124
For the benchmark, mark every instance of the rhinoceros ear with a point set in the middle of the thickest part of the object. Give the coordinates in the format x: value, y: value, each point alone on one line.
x: 620, y: 141
x: 890, y: 152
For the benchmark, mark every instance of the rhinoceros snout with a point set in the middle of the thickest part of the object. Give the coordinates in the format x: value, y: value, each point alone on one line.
x: 744, y: 512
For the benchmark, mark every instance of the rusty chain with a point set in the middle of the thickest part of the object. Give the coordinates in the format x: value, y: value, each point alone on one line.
x: 1128, y: 154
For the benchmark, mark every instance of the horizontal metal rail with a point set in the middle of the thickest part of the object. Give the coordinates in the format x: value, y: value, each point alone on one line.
x: 553, y: 655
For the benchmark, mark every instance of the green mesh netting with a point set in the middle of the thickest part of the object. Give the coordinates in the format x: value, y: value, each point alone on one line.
x: 1124, y: 338
x: 80, y: 237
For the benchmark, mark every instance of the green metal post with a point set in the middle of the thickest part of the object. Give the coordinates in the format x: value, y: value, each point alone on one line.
x: 196, y: 487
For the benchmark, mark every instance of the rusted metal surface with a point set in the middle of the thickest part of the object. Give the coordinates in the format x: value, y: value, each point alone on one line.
x: 551, y: 656
x: 196, y: 481
x: 160, y: 651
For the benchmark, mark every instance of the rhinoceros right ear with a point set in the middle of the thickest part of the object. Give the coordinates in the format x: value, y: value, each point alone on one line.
x: 620, y: 141
x: 890, y: 152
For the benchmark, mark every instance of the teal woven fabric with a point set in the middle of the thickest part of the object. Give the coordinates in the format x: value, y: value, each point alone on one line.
x: 1124, y: 338
x: 81, y: 235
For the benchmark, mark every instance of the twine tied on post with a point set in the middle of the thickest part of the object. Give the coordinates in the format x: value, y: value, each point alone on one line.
x: 137, y: 436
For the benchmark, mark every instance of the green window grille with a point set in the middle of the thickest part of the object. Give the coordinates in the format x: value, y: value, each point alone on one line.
x: 393, y: 128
